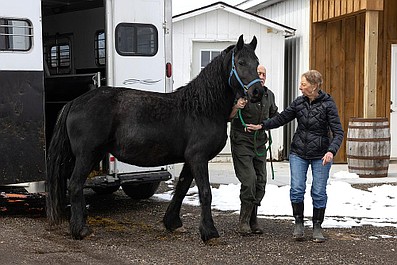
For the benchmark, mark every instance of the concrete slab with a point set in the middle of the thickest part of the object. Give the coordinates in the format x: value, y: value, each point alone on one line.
x: 223, y: 173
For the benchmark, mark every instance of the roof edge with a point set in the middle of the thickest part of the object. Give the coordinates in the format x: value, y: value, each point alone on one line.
x: 288, y: 30
x: 254, y: 5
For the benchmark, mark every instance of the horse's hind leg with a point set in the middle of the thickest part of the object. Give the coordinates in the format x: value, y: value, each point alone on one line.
x: 201, y: 176
x: 78, y: 226
x: 172, y: 219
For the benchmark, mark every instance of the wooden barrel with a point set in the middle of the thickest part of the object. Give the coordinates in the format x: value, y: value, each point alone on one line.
x: 368, y: 147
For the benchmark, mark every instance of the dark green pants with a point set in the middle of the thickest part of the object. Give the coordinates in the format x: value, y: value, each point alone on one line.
x: 250, y: 168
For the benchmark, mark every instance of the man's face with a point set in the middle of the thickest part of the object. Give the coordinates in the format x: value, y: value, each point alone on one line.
x: 262, y: 74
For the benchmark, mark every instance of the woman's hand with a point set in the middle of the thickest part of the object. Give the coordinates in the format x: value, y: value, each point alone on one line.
x: 327, y: 158
x: 254, y: 127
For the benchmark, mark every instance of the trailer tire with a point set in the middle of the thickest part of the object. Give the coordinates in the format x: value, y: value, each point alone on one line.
x: 105, y: 190
x: 140, y: 191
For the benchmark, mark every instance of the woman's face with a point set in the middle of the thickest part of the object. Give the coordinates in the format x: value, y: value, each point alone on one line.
x: 306, y: 88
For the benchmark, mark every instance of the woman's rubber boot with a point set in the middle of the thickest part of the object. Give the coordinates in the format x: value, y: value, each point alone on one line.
x: 299, y: 228
x: 255, y: 228
x: 245, y: 216
x: 318, y: 218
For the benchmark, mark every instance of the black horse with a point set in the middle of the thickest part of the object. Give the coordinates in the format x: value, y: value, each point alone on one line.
x: 150, y: 129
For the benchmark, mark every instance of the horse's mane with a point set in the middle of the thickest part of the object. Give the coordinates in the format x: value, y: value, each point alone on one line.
x: 198, y: 96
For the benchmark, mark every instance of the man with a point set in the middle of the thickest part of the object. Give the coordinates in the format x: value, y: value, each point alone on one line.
x: 249, y: 154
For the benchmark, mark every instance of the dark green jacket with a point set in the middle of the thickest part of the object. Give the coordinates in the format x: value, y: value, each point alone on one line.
x: 255, y: 113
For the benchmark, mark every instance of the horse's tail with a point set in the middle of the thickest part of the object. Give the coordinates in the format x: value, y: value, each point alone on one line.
x: 60, y: 163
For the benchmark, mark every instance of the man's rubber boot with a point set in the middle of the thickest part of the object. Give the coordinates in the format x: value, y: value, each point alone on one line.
x: 299, y: 228
x: 244, y: 221
x: 255, y: 228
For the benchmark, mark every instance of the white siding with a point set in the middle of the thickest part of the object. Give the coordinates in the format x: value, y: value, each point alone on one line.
x: 222, y: 26
x: 295, y: 14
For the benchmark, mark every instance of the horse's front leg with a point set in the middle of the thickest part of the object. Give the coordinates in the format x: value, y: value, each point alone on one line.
x: 172, y: 219
x: 78, y: 218
x: 201, y: 176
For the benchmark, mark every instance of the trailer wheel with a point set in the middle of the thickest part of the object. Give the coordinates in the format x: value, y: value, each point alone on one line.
x: 106, y: 190
x: 140, y: 191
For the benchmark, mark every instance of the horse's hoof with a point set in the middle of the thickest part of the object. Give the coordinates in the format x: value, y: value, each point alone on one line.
x: 213, y: 242
x: 180, y: 230
x: 86, y: 231
x: 172, y: 226
x: 208, y: 233
x: 209, y: 237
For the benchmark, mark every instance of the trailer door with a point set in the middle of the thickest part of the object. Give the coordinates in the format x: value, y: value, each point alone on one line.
x: 22, y: 139
x: 135, y: 44
x: 135, y: 51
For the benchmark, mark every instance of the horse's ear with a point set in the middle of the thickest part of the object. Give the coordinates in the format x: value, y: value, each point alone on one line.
x: 253, y: 43
x: 240, y: 43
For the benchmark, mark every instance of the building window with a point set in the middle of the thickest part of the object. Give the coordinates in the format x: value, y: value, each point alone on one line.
x: 136, y: 39
x: 100, y: 48
x: 207, y: 56
x: 15, y: 34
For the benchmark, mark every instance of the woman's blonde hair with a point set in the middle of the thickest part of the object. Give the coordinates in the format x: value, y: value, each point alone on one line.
x: 314, y: 77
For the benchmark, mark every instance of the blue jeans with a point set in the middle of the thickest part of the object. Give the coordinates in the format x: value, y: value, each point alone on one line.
x: 320, y: 173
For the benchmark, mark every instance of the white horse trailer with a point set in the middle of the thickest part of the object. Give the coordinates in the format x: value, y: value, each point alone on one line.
x: 51, y: 52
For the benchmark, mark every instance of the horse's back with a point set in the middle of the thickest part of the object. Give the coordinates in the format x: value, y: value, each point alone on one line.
x: 122, y: 118
x: 105, y: 100
x: 143, y: 128
x: 90, y: 118
x: 95, y: 96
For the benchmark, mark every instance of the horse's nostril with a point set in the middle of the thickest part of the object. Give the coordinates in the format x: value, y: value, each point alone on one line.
x: 255, y: 92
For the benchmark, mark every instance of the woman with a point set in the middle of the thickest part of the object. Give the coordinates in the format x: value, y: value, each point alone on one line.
x: 315, y: 143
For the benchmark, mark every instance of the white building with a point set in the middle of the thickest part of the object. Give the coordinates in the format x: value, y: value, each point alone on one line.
x: 200, y: 34
x: 295, y: 13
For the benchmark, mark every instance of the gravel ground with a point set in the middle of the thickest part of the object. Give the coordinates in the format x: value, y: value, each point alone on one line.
x: 131, y: 232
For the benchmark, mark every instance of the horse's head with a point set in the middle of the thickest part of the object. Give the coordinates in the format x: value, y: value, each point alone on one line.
x: 243, y: 77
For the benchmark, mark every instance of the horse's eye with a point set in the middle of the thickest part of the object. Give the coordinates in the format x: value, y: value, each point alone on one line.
x: 242, y: 63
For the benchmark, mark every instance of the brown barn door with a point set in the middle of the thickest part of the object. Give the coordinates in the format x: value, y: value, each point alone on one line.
x: 337, y: 52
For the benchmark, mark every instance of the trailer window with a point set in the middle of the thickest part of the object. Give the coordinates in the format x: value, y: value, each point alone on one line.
x: 136, y: 39
x: 58, y: 53
x: 15, y: 34
x: 100, y: 48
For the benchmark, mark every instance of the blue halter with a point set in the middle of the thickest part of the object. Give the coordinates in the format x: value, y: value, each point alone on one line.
x: 234, y: 71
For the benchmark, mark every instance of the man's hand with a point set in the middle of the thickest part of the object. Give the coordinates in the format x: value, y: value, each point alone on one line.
x: 241, y: 102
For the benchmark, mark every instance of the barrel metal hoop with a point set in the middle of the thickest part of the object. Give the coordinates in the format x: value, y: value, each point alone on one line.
x: 368, y: 139
x: 372, y: 175
x: 368, y: 168
x: 368, y: 119
x: 369, y: 157
x: 368, y: 127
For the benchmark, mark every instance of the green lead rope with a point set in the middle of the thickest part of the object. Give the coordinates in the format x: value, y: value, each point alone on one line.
x: 255, y: 144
